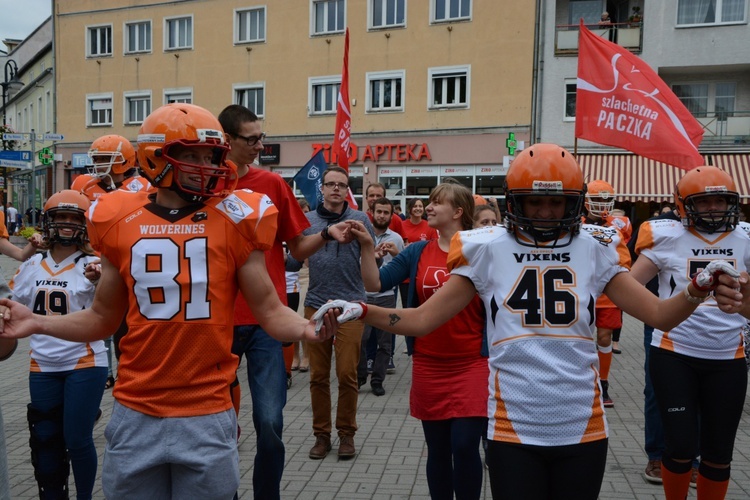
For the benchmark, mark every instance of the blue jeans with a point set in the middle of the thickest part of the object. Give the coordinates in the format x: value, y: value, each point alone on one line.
x: 266, y: 376
x: 79, y: 392
x: 654, y: 430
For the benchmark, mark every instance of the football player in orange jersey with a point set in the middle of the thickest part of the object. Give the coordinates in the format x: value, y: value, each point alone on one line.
x: 600, y: 203
x: 175, y: 260
x: 113, y: 167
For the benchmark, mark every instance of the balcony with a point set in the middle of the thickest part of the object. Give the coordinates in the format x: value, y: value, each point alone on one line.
x: 627, y: 35
x: 725, y: 128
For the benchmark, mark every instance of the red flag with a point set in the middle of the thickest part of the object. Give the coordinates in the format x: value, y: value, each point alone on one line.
x: 343, y: 132
x: 622, y: 102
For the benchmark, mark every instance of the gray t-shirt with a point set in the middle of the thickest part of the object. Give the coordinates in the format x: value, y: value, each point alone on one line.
x: 335, y: 271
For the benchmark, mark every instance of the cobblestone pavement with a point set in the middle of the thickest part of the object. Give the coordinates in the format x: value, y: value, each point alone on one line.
x: 391, y: 453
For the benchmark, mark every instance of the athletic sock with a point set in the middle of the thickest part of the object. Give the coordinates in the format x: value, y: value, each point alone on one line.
x: 605, y: 360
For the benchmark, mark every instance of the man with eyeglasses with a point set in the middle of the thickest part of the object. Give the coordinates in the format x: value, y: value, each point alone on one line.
x: 266, y: 372
x: 334, y: 271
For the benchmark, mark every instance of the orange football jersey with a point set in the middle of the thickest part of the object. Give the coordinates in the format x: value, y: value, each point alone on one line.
x: 180, y: 269
x: 93, y: 188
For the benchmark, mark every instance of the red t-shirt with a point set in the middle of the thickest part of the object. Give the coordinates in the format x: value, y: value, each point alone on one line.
x: 292, y: 222
x: 461, y: 336
x: 417, y: 232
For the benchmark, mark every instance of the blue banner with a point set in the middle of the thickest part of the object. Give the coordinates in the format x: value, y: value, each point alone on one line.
x: 310, y: 178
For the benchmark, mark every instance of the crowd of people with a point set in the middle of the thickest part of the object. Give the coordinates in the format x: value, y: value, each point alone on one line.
x: 511, y: 318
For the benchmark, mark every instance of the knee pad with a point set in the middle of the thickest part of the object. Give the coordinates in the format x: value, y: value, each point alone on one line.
x: 714, y: 473
x: 53, y: 479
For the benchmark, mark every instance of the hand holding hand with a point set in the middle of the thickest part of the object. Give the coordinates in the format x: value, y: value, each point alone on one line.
x: 36, y: 240
x: 17, y: 320
x: 708, y: 279
x: 93, y: 271
x: 341, y: 233
x: 349, y: 311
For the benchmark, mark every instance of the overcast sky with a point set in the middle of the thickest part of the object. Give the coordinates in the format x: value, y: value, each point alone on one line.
x: 18, y: 18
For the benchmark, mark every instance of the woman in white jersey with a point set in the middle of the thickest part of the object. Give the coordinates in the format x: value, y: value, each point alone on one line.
x: 66, y: 382
x: 539, y: 280
x: 697, y: 368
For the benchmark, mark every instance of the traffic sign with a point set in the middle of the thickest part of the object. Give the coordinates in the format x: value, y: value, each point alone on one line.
x: 53, y: 137
x: 16, y: 155
x: 13, y: 137
x: 24, y: 165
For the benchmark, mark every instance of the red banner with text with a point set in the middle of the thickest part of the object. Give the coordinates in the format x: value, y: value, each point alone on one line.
x: 622, y: 102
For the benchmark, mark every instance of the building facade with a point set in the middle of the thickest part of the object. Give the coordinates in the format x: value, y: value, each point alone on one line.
x: 698, y: 48
x: 436, y: 86
x: 29, y: 113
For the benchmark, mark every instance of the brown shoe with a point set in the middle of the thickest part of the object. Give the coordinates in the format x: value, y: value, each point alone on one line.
x: 321, y: 448
x: 653, y: 472
x: 346, y: 447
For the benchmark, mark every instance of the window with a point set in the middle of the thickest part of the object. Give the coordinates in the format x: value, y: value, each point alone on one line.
x: 250, y: 25
x: 182, y: 95
x: 570, y: 100
x: 588, y: 10
x: 387, y: 13
x: 694, y: 96
x: 179, y: 33
x: 324, y: 93
x: 138, y: 37
x: 708, y: 99
x: 328, y: 16
x: 710, y: 11
x: 449, y: 87
x: 99, y: 41
x: 385, y: 91
x: 725, y: 99
x: 451, y: 10
x: 252, y: 97
x: 137, y: 107
x: 99, y: 110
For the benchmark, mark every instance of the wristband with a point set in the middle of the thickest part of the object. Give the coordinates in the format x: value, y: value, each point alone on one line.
x: 364, y: 310
x: 326, y: 235
x: 692, y: 298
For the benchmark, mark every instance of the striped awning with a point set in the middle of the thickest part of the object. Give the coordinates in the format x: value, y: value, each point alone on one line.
x: 639, y: 179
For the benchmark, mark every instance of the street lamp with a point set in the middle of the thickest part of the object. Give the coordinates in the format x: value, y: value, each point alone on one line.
x: 10, y: 83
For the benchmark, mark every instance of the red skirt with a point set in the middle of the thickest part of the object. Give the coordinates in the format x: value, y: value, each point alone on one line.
x: 444, y: 388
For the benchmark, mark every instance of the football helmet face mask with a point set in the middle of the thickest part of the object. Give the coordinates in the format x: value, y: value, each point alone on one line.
x: 111, y: 154
x: 699, y: 184
x: 57, y: 225
x: 173, y: 128
x: 600, y: 199
x: 544, y: 170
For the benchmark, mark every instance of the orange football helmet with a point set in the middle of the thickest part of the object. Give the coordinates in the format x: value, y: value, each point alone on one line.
x: 111, y: 154
x: 544, y: 170
x: 703, y: 182
x: 57, y: 231
x: 170, y: 130
x: 600, y: 198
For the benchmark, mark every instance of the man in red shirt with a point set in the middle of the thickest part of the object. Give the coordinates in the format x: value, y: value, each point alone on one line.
x: 374, y: 192
x: 266, y: 371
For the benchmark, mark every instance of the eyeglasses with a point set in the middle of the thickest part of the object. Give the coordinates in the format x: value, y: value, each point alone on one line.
x: 336, y: 185
x: 252, y: 140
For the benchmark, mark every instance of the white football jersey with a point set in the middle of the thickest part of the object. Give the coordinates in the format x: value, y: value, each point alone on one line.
x: 679, y: 253
x: 544, y: 377
x: 48, y: 288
